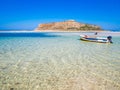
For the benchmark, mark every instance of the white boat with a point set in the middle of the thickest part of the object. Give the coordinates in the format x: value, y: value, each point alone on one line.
x: 96, y: 39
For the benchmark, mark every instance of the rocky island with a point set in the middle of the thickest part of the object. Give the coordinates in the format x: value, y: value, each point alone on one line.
x: 69, y: 25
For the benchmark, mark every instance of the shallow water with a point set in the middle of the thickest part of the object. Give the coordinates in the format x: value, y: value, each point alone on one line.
x: 58, y: 61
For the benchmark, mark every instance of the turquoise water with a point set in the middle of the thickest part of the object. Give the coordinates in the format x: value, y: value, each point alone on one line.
x: 58, y: 61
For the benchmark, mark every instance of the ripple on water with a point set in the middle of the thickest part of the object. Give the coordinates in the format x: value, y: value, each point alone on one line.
x: 59, y: 63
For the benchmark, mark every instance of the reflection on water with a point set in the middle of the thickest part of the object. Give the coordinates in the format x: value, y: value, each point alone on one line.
x: 58, y: 63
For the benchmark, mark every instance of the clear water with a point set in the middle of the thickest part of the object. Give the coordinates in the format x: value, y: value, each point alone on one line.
x: 58, y: 61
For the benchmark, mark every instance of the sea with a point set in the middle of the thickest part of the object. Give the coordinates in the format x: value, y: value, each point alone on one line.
x: 58, y: 61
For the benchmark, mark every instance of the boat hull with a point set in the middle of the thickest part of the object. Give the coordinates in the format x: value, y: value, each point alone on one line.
x: 98, y: 40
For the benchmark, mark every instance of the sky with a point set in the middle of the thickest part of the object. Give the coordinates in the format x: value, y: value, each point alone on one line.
x: 28, y: 14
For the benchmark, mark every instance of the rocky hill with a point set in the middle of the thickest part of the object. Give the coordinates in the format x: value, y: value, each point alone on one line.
x: 67, y: 26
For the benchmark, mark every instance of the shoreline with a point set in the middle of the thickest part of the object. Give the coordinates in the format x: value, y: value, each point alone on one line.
x: 56, y: 31
x: 60, y: 31
x: 70, y: 30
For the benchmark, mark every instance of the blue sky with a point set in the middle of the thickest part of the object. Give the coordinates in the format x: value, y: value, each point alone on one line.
x: 27, y: 14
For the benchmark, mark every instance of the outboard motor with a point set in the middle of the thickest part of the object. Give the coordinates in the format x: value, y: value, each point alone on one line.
x: 110, y: 39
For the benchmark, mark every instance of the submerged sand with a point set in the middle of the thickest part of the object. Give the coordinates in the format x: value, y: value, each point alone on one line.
x: 59, y: 63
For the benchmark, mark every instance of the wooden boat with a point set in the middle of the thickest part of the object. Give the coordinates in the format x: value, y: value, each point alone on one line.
x: 96, y: 39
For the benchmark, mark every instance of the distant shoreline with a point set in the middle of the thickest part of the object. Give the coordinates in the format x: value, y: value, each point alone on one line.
x: 34, y: 31
x: 55, y: 31
x: 100, y: 33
